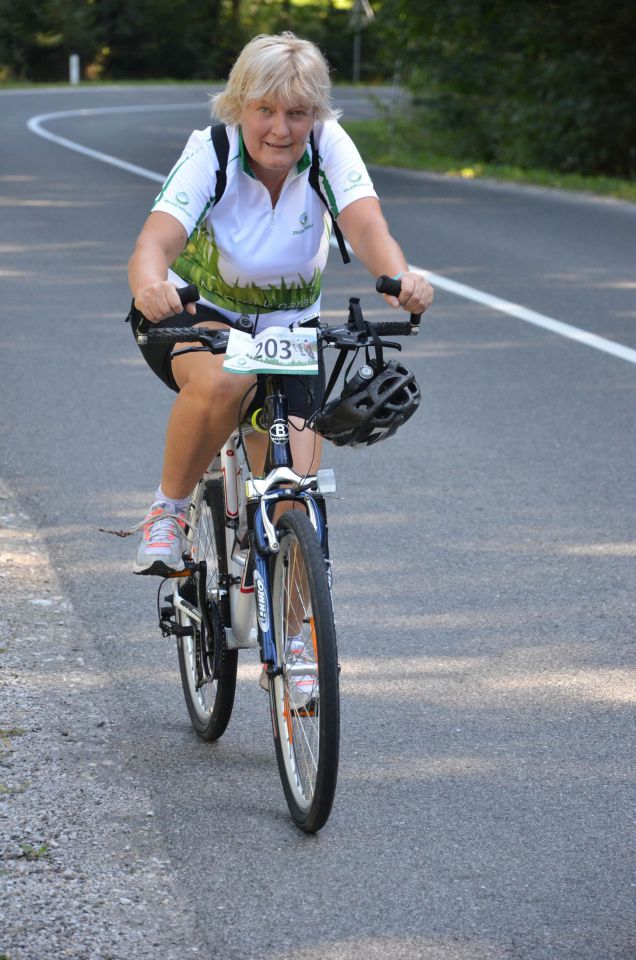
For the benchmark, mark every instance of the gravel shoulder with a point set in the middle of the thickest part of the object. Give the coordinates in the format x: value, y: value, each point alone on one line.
x: 83, y: 873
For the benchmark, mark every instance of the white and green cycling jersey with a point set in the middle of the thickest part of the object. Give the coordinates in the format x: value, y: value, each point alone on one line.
x: 245, y: 256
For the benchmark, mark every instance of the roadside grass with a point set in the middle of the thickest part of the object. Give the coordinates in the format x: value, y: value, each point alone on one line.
x: 6, y: 791
x: 6, y: 733
x: 29, y: 852
x: 383, y: 142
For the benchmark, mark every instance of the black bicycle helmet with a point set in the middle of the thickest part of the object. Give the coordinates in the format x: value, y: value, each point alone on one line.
x: 370, y: 410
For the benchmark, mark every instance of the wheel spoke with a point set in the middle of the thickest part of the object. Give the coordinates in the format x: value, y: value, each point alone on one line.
x: 209, y: 699
x: 307, y: 741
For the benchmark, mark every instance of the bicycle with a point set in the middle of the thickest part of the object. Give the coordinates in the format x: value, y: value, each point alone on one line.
x: 251, y: 579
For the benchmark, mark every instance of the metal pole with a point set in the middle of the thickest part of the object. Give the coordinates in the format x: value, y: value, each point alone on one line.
x: 395, y: 95
x: 357, y: 50
x: 74, y: 69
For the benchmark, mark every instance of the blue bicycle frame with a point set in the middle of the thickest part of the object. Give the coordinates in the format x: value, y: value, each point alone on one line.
x: 261, y: 508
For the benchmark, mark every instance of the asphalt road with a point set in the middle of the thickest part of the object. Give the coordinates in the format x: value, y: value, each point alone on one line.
x: 484, y: 563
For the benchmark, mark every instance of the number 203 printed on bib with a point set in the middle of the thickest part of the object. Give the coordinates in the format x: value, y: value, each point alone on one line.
x: 274, y: 350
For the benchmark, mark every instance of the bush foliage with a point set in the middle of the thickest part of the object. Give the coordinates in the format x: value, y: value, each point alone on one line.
x: 531, y: 83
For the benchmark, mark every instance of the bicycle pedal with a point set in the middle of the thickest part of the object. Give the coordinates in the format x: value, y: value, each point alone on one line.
x: 171, y: 629
x: 189, y: 569
x: 168, y: 624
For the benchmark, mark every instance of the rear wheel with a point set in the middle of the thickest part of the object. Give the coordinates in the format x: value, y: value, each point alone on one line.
x: 208, y: 668
x: 305, y: 697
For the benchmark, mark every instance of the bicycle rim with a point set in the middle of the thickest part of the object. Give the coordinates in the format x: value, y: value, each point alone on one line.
x: 305, y: 698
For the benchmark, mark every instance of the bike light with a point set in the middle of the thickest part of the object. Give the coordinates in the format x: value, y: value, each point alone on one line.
x: 326, y: 480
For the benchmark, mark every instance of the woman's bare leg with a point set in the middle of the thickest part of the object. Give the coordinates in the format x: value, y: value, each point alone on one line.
x: 204, y: 414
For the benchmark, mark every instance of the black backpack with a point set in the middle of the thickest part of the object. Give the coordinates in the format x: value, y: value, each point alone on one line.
x: 222, y: 147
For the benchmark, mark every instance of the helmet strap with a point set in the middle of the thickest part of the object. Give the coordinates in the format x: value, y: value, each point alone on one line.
x: 335, y: 373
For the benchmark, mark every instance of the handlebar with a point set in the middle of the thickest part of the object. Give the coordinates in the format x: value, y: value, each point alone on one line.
x: 346, y: 337
x: 186, y: 335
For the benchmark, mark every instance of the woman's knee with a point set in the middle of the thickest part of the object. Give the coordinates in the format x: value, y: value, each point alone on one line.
x: 204, y: 375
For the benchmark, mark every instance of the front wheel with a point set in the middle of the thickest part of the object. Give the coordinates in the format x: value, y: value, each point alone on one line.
x: 304, y: 697
x: 208, y: 668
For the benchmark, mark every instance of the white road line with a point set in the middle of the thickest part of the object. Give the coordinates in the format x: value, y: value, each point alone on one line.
x: 530, y: 316
x: 567, y: 330
x: 35, y: 126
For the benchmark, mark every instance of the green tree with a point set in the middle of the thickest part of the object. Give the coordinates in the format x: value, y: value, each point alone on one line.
x: 38, y: 36
x: 534, y: 83
x: 184, y: 39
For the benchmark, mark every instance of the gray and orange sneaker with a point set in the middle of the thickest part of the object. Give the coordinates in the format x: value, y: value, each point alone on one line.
x: 163, y: 541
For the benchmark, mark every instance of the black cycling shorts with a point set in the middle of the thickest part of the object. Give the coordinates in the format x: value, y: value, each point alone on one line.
x: 303, y: 393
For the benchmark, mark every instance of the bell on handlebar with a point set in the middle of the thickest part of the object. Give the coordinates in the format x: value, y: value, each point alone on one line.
x: 244, y: 323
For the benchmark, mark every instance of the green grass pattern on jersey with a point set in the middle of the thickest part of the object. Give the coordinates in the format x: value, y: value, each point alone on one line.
x: 199, y: 264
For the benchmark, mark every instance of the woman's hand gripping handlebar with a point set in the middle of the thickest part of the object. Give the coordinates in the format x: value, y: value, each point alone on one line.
x: 417, y: 292
x: 214, y: 340
x: 157, y: 301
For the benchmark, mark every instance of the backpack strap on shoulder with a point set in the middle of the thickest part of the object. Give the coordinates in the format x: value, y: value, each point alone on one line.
x: 222, y: 148
x: 314, y: 182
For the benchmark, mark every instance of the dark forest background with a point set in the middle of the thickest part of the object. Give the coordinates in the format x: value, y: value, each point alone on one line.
x: 533, y: 83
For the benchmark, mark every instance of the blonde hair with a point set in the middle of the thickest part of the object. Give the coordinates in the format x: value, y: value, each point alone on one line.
x: 284, y: 68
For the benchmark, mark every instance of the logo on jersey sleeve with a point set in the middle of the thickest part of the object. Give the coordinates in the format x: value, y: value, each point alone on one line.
x: 180, y: 200
x: 356, y: 178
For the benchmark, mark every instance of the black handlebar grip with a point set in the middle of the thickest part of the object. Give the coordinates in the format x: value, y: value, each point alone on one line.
x: 188, y: 294
x: 393, y: 287
x: 173, y: 334
x: 392, y: 328
x: 388, y: 285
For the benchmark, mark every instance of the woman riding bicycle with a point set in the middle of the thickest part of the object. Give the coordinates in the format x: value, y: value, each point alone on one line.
x: 259, y: 251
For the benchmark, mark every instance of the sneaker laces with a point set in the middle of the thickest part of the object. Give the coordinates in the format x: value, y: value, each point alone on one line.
x: 160, y: 521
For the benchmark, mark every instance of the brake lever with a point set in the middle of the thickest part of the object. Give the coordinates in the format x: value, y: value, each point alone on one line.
x: 216, y: 340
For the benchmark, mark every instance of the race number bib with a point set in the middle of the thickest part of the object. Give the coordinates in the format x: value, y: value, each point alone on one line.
x: 275, y: 350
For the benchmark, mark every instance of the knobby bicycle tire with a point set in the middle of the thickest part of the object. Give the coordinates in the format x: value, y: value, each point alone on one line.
x: 209, y: 699
x: 304, y: 698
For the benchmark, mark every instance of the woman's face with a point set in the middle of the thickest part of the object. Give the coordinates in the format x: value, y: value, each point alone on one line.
x: 275, y: 136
